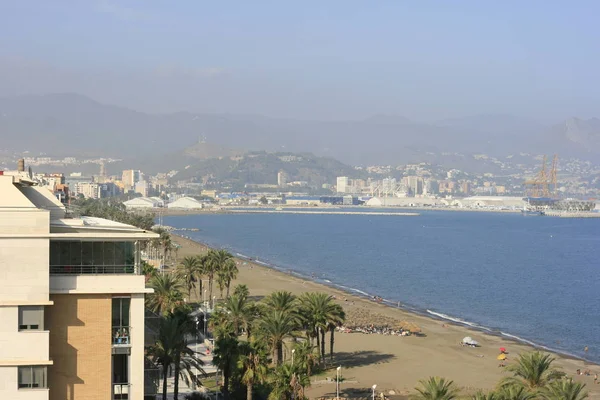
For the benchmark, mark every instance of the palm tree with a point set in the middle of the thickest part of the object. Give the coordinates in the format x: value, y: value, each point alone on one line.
x: 514, y: 393
x: 485, y: 396
x: 189, y: 271
x: 253, y: 362
x: 337, y: 318
x: 274, y: 327
x: 226, y: 274
x: 436, y: 388
x: 241, y: 291
x: 305, y: 358
x: 564, y: 389
x: 226, y: 354
x: 240, y: 313
x: 171, y: 351
x: 163, y: 243
x: 167, y: 294
x: 215, y: 260
x: 281, y: 301
x: 288, y: 383
x: 321, y: 314
x: 533, y: 371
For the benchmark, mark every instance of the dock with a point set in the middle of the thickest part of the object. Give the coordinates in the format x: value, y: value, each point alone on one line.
x: 396, y: 214
x: 571, y: 214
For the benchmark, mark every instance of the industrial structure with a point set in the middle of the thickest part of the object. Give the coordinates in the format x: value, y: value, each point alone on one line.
x: 544, y: 184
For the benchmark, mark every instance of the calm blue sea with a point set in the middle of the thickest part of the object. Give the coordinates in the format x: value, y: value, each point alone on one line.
x: 536, y: 278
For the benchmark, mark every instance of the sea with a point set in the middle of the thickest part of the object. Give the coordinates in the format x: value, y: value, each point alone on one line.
x: 529, y: 278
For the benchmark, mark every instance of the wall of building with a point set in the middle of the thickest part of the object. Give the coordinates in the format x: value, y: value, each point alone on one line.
x: 136, y: 360
x: 80, y: 346
x: 24, y: 265
x: 9, y: 388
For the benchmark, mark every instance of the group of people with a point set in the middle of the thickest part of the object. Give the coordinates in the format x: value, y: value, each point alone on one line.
x: 587, y: 372
x: 121, y: 336
x: 372, y: 329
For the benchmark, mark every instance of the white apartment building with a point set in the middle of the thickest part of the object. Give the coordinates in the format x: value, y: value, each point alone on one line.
x: 342, y: 184
x: 72, y: 301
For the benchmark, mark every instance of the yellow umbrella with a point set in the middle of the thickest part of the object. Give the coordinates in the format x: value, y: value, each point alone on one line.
x: 501, y: 357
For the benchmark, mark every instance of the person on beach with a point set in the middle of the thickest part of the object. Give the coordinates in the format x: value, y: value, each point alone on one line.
x: 595, y: 379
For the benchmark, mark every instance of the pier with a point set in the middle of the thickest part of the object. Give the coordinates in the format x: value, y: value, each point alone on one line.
x: 398, y: 214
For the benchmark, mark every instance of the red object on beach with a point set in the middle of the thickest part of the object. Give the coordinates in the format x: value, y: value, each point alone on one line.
x: 502, y: 350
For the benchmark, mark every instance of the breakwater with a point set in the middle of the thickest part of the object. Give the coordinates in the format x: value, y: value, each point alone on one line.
x: 395, y: 214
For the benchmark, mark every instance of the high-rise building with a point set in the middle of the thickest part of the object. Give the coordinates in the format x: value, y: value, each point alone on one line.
x: 414, y: 185
x: 141, y: 187
x: 130, y: 178
x: 72, y: 301
x: 89, y: 190
x: 343, y: 184
x: 282, y: 178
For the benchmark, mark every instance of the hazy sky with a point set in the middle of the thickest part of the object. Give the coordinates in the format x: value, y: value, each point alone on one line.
x: 310, y: 59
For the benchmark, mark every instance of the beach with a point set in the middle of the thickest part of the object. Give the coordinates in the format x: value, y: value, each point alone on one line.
x: 397, y: 363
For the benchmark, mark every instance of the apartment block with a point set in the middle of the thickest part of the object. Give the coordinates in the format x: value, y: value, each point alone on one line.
x: 72, y: 301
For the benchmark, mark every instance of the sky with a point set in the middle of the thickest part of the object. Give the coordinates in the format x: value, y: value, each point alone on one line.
x: 328, y: 60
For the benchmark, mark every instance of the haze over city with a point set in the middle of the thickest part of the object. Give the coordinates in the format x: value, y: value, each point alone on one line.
x: 337, y: 60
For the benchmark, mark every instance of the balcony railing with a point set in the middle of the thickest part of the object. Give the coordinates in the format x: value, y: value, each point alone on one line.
x: 121, y: 335
x: 121, y: 391
x: 92, y: 269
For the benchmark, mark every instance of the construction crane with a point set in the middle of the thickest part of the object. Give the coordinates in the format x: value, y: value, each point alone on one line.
x: 544, y: 183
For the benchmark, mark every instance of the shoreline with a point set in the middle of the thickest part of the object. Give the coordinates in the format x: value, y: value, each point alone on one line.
x: 425, y: 313
x: 442, y: 334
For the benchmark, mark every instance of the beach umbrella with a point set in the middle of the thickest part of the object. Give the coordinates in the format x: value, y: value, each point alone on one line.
x: 467, y: 340
x: 409, y: 326
x: 502, y: 349
x: 501, y: 357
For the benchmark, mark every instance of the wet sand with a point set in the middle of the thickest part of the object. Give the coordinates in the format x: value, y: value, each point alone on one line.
x: 392, y: 362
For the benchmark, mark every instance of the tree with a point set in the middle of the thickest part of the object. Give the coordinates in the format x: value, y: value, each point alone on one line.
x: 171, y: 351
x: 485, y: 396
x: 305, y: 358
x: 288, y: 383
x: 263, y: 200
x: 564, y: 389
x: 226, y: 274
x: 533, y: 371
x: 273, y: 328
x: 148, y: 270
x: 240, y: 313
x: 514, y: 393
x: 281, y: 301
x: 214, y: 262
x: 241, y: 291
x: 162, y: 243
x: 321, y: 314
x: 167, y: 294
x: 225, y: 358
x: 189, y: 272
x: 253, y: 362
x: 436, y: 388
x: 337, y: 316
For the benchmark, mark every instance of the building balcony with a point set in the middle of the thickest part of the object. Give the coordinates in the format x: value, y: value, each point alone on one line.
x: 120, y: 391
x: 121, y: 335
x: 71, y: 257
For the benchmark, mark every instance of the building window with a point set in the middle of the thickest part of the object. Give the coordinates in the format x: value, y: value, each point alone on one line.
x: 120, y: 320
x: 31, y: 318
x: 32, y: 377
x: 76, y: 257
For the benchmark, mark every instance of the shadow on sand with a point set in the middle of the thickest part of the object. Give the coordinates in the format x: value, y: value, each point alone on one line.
x: 360, y: 358
x: 360, y: 394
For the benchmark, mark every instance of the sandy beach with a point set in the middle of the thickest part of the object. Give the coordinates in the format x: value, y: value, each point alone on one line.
x: 397, y: 363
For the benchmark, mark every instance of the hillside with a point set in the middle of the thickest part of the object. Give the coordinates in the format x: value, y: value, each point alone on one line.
x: 68, y: 124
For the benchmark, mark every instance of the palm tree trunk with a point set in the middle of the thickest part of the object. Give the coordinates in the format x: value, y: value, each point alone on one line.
x: 165, y: 376
x: 176, y: 377
x: 226, y: 384
x: 210, y: 285
x: 323, y: 344
x: 318, y: 345
x: 331, y: 341
x: 279, y: 353
x: 249, y: 391
x: 228, y: 284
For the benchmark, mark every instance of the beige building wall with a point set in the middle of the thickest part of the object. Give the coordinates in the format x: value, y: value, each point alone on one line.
x: 80, y: 346
x: 9, y: 387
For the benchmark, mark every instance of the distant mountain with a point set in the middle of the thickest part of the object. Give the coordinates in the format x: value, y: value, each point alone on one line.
x: 71, y: 124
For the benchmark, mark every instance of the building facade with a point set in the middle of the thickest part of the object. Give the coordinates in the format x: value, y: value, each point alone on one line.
x: 72, y: 304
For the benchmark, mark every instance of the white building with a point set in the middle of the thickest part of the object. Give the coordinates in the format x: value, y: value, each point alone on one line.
x: 143, y: 203
x: 89, y: 190
x: 72, y: 301
x: 342, y: 184
x: 186, y: 203
x: 282, y: 178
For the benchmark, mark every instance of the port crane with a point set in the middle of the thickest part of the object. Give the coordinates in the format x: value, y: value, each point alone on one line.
x: 544, y: 183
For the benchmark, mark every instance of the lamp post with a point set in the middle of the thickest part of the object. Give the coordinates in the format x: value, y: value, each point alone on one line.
x: 337, y: 383
x: 293, y: 351
x: 374, y: 387
x: 204, y: 313
x: 213, y: 305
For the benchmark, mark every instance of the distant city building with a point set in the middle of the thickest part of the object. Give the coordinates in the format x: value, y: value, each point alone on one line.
x: 342, y: 184
x: 185, y: 203
x: 130, y: 178
x: 89, y: 190
x: 414, y: 184
x: 141, y: 187
x: 282, y: 178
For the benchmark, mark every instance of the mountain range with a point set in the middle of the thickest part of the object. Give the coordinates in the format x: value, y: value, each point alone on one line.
x: 75, y: 125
